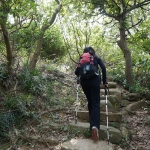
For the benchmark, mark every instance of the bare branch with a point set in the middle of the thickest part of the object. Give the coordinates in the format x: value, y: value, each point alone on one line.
x: 123, y: 3
x: 133, y: 25
x: 108, y: 22
x: 56, y: 12
x: 67, y: 44
x: 52, y: 20
x: 137, y: 5
x: 76, y: 39
x: 110, y: 15
x: 128, y: 31
x: 134, y: 2
x: 21, y: 26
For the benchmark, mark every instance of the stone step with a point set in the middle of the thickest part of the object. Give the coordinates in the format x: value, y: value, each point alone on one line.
x: 110, y: 85
x: 86, y: 144
x: 111, y: 108
x: 115, y: 135
x: 112, y: 124
x: 109, y: 105
x: 114, y: 100
x: 116, y: 92
x: 112, y: 117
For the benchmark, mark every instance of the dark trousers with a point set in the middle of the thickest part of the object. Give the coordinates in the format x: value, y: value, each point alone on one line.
x: 91, y: 88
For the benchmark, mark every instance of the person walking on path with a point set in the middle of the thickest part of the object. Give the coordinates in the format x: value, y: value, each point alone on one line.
x: 91, y: 88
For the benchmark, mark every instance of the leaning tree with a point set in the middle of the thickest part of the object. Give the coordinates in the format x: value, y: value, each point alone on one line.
x: 47, y: 23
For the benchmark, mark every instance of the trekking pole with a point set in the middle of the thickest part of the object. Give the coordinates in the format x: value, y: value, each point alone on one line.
x: 107, y: 90
x: 76, y: 109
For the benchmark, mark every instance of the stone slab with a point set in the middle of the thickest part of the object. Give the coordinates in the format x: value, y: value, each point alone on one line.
x: 86, y: 144
x: 110, y: 85
x: 115, y: 101
x: 115, y: 135
x: 112, y: 117
x: 115, y: 91
x: 109, y: 106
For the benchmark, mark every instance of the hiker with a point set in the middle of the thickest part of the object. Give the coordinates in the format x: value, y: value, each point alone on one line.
x: 91, y: 88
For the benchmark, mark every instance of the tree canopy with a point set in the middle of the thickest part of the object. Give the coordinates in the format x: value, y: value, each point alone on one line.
x: 58, y: 29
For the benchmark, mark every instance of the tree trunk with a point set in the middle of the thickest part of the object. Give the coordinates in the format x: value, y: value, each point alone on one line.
x: 34, y: 59
x: 127, y: 54
x: 8, y: 49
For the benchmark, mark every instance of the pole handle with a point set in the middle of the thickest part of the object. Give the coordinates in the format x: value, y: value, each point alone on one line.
x: 107, y: 90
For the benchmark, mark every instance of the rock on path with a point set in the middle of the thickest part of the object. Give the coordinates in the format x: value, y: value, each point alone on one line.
x: 86, y: 144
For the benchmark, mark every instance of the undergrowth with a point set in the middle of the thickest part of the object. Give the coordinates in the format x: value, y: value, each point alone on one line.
x: 16, y: 109
x: 138, y: 85
x: 34, y: 93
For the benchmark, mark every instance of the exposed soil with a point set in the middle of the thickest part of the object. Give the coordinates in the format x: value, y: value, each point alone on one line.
x: 139, y: 130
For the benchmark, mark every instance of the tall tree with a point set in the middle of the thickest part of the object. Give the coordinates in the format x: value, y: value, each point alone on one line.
x: 128, y: 14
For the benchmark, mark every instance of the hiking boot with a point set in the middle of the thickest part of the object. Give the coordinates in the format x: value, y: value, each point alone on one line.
x: 95, y: 135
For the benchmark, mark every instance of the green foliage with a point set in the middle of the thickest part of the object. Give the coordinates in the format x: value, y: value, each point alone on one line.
x: 148, y: 121
x: 28, y: 80
x: 141, y: 39
x: 17, y: 109
x: 26, y: 38
x: 34, y: 82
x: 6, y: 81
x: 19, y: 103
x: 66, y: 101
x: 147, y: 107
x: 137, y: 88
x: 3, y: 71
x: 53, y: 46
x: 74, y: 132
x: 141, y: 69
x: 87, y: 133
x: 7, y: 121
x: 141, y: 64
x: 119, y: 77
x: 16, y: 8
x: 116, y: 70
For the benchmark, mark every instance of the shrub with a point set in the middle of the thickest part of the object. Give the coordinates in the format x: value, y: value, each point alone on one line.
x: 7, y: 121
x: 17, y: 110
x: 34, y: 83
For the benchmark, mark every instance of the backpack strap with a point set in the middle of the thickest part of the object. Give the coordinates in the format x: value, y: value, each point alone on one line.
x: 92, y: 59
